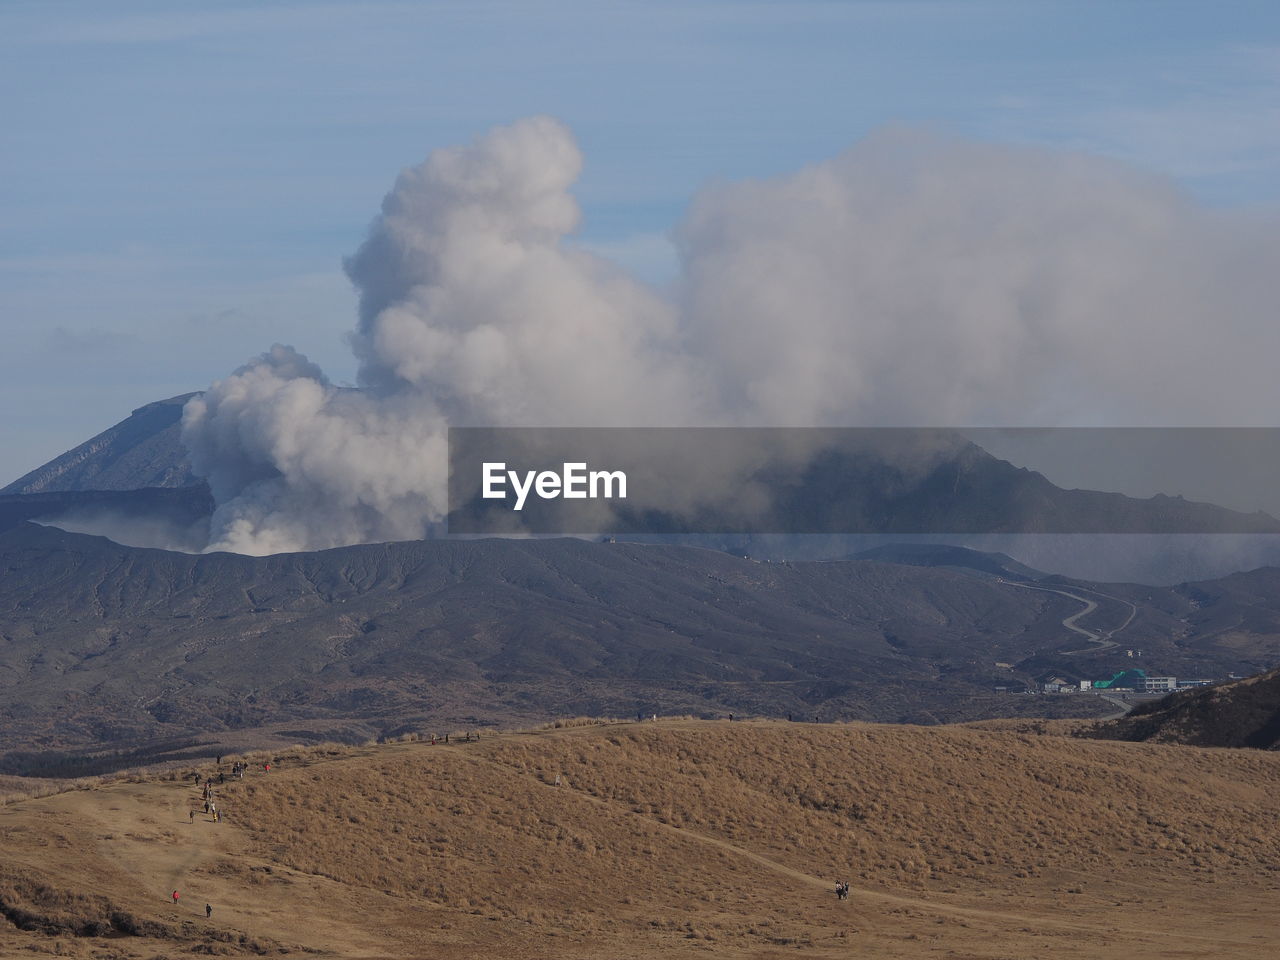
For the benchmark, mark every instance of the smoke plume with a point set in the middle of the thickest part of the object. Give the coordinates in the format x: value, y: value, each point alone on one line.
x: 913, y: 280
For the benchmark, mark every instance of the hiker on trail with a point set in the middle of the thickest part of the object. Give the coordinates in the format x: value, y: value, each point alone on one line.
x: 192, y: 815
x: 557, y: 779
x: 208, y: 911
x: 206, y: 806
x: 175, y: 898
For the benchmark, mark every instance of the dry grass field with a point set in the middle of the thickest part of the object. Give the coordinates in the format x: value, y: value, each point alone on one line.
x: 675, y: 838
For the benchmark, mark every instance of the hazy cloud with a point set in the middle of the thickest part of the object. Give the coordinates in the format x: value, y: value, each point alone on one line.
x: 92, y: 341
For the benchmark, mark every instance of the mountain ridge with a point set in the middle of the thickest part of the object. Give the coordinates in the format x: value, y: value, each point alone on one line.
x: 142, y: 450
x: 872, y: 488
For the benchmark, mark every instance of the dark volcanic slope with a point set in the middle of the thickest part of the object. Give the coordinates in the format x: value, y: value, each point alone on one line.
x: 970, y: 491
x: 101, y: 642
x: 104, y: 643
x: 142, y: 450
x: 948, y: 555
x: 1245, y: 713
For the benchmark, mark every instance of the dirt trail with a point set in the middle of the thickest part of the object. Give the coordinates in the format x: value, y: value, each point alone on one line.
x: 152, y: 818
x: 143, y: 831
x: 921, y: 904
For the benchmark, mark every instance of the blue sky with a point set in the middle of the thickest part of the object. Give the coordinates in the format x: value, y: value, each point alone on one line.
x: 181, y: 180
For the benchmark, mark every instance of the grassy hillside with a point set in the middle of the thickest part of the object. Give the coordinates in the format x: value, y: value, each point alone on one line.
x: 676, y: 838
x: 1245, y: 713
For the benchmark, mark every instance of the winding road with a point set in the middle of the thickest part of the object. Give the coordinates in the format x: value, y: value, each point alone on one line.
x: 1103, y: 641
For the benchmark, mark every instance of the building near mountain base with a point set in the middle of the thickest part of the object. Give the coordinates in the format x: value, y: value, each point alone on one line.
x: 1124, y: 680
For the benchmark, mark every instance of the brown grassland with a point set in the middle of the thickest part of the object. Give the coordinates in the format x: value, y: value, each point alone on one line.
x: 674, y: 838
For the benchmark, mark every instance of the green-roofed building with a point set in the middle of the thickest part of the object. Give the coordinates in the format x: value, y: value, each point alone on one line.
x: 1125, y: 678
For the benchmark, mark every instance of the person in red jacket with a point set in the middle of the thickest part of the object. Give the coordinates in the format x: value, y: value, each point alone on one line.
x: 175, y: 898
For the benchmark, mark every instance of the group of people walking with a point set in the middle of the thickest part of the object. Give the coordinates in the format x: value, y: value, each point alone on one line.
x: 206, y: 794
x: 211, y: 808
x: 842, y: 889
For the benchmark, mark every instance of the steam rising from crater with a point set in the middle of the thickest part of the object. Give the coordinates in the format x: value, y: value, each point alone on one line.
x: 913, y: 280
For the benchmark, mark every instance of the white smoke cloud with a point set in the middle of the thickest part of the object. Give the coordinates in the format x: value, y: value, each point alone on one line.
x: 921, y: 280
x: 472, y: 312
x: 295, y: 463
x: 913, y: 280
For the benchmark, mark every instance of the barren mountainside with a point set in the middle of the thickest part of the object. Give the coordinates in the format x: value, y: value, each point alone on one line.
x: 103, y: 643
x: 111, y: 647
x: 143, y: 450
